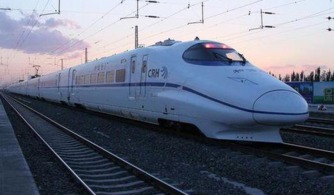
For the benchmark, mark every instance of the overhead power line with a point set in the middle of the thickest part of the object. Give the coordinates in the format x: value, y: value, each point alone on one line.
x: 56, y: 12
x: 70, y: 43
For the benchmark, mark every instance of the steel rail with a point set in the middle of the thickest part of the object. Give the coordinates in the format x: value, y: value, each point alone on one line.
x: 89, y: 190
x: 295, y: 154
x: 154, y: 181
x: 320, y: 120
x: 309, y: 129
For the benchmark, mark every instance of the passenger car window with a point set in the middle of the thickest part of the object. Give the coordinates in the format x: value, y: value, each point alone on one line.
x: 120, y: 75
x: 110, y: 76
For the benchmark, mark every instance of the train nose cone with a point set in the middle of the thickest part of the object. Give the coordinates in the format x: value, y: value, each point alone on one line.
x: 280, y: 107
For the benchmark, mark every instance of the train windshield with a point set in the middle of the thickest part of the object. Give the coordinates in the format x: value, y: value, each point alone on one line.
x: 213, y: 54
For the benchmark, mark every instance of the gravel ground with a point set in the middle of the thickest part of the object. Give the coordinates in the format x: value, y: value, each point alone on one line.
x: 204, y: 168
x: 50, y: 176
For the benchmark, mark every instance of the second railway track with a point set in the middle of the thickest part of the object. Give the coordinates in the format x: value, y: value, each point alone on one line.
x: 311, y: 158
x: 99, y: 171
x: 311, y: 129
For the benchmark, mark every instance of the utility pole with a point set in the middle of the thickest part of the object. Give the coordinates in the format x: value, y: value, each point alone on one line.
x: 86, y: 55
x: 330, y: 18
x: 137, y: 16
x: 2, y: 64
x: 263, y: 26
x: 137, y: 12
x: 136, y: 37
x: 61, y: 64
x: 201, y: 21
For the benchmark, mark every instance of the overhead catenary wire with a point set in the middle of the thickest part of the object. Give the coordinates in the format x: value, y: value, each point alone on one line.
x: 184, y: 25
x: 72, y: 44
x: 27, y: 24
x: 89, y: 36
x: 164, y: 18
x: 207, y: 18
x: 233, y: 36
x: 86, y: 29
x: 20, y: 44
x: 246, y: 33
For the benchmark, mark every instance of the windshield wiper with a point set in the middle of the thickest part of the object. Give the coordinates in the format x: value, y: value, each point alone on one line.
x: 222, y: 57
x: 243, y: 59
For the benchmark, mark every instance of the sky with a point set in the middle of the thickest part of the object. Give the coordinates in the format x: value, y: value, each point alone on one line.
x: 32, y: 33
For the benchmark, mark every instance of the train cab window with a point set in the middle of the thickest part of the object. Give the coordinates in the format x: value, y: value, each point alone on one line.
x: 213, y: 54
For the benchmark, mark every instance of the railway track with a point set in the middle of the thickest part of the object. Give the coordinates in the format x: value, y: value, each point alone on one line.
x: 320, y: 120
x: 302, y: 156
x: 311, y: 158
x: 99, y: 171
x: 314, y: 126
x: 311, y: 129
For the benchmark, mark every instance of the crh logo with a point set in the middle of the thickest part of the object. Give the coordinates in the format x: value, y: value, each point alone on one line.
x: 155, y: 73
x: 164, y: 72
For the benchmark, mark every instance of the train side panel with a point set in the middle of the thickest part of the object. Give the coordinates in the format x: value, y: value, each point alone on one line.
x: 48, y: 84
x: 33, y: 87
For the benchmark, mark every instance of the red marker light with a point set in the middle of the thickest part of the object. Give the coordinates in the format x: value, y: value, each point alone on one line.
x: 225, y: 46
x: 209, y: 45
x: 216, y: 46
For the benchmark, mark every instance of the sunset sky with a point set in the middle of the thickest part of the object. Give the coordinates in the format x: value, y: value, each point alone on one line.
x: 299, y: 41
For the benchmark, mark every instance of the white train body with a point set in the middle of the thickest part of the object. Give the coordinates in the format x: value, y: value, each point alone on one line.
x: 203, y: 83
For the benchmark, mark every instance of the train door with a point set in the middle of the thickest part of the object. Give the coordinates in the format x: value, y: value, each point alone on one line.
x: 134, y: 78
x: 58, y: 82
x: 143, y: 76
x: 58, y: 85
x: 71, y: 82
x: 38, y: 88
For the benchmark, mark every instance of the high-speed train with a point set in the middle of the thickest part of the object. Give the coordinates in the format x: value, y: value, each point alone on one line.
x: 201, y: 83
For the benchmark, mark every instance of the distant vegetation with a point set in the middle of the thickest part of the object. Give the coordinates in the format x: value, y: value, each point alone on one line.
x: 314, y: 76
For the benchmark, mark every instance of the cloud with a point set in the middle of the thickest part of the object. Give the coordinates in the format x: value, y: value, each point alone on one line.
x: 53, y: 23
x: 42, y: 39
x: 74, y: 55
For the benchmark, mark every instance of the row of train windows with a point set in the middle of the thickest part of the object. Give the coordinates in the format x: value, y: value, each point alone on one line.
x: 101, y: 77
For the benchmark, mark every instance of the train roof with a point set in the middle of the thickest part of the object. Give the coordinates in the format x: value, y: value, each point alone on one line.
x: 178, y: 45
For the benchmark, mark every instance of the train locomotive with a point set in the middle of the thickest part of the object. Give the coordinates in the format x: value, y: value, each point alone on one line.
x: 201, y: 83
